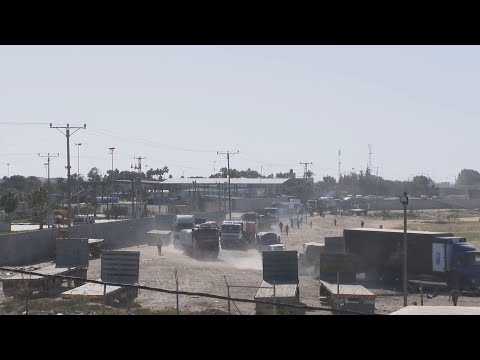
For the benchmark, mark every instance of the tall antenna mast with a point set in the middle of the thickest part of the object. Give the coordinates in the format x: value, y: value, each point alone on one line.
x: 339, y: 163
x: 370, y: 157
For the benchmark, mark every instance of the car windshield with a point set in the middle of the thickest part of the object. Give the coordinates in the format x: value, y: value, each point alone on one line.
x: 269, y: 238
x: 231, y: 228
x: 207, y: 234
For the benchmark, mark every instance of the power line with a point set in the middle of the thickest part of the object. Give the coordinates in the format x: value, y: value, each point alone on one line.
x: 67, y: 134
x: 119, y: 137
x: 22, y: 123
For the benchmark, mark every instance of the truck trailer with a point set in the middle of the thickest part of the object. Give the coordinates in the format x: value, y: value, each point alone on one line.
x: 436, y: 256
x: 182, y: 222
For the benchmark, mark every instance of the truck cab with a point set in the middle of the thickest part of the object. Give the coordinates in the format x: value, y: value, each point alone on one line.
x: 460, y: 261
x: 231, y: 234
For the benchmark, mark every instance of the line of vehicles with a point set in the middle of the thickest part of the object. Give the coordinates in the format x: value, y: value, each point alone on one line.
x: 376, y: 254
x: 203, y: 239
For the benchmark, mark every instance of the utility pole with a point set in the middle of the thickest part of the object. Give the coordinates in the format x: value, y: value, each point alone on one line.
x: 370, y: 157
x: 339, y: 163
x: 48, y: 156
x: 8, y: 170
x: 404, y: 201
x: 78, y: 176
x: 111, y: 190
x: 305, y: 164
x: 139, y: 169
x: 228, y: 153
x: 67, y: 134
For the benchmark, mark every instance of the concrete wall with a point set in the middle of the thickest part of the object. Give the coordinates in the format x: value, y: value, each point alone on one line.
x: 26, y: 248
x: 424, y: 204
x: 5, y: 227
x: 250, y: 204
x: 117, y: 234
x: 36, y: 246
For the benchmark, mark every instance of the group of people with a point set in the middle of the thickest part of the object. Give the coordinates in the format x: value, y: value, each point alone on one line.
x: 299, y: 222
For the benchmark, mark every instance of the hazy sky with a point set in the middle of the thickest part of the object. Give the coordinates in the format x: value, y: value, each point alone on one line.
x: 278, y: 105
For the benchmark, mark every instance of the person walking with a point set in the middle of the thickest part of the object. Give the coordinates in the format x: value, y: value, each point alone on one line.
x: 298, y: 224
x: 454, y: 295
x: 159, y: 246
x: 362, y: 223
x: 280, y: 225
x: 291, y: 222
x: 311, y: 224
x: 335, y: 222
x: 286, y: 229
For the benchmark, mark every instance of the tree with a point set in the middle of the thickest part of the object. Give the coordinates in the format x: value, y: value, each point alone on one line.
x: 468, y: 177
x: 37, y: 200
x: 9, y: 201
x: 94, y: 174
x: 157, y: 174
x: 281, y: 175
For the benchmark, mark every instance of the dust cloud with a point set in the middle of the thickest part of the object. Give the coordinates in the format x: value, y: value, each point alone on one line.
x: 250, y: 259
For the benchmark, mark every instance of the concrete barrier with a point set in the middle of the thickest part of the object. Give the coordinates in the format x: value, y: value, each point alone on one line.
x: 26, y: 248
x: 39, y: 245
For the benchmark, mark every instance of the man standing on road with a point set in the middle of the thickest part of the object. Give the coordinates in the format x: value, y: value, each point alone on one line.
x: 159, y: 246
x: 286, y: 229
x: 335, y: 222
x: 454, y: 295
x: 280, y: 225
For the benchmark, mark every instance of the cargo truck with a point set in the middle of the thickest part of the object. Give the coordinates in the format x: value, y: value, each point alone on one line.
x: 238, y: 235
x: 432, y: 256
x: 201, y: 241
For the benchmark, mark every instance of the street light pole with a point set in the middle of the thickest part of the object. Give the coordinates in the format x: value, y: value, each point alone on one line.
x: 8, y: 170
x: 111, y: 191
x: 404, y: 201
x: 78, y: 176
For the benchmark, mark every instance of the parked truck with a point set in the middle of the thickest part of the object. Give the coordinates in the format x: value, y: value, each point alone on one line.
x: 201, y: 241
x: 182, y: 222
x: 238, y: 235
x: 434, y: 256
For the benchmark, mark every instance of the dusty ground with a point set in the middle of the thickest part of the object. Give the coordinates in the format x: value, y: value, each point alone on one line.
x: 244, y: 268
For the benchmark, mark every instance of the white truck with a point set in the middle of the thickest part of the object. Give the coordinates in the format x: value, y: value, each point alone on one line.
x: 182, y: 222
x: 238, y: 235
